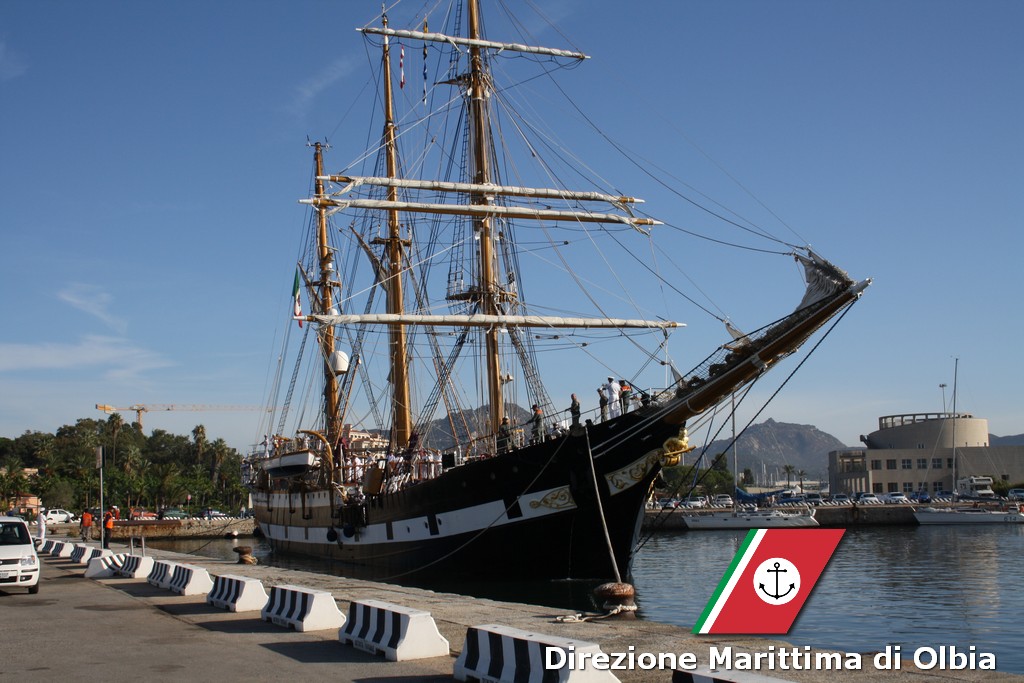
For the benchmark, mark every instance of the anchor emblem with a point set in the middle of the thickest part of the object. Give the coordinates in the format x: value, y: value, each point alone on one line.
x: 777, y: 581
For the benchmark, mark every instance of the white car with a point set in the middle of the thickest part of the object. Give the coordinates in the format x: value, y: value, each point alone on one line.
x: 58, y: 516
x: 722, y: 500
x: 19, y: 564
x: 893, y: 498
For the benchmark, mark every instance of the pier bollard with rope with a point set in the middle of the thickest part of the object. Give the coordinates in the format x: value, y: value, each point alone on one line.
x: 618, y: 599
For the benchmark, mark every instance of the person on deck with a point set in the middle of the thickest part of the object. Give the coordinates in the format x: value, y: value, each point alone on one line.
x: 603, y: 400
x: 504, y: 436
x: 612, y: 389
x: 537, y: 424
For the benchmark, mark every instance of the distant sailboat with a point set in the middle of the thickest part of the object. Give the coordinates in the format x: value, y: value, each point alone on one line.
x: 748, y: 516
x: 982, y: 509
x: 419, y: 266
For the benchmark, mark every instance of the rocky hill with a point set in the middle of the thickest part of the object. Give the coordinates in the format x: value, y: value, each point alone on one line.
x: 767, y: 447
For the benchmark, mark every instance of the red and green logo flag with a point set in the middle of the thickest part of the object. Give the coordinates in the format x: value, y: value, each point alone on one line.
x: 768, y: 582
x: 295, y: 295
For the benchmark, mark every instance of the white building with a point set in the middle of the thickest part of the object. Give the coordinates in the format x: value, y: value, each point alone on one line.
x: 914, y: 452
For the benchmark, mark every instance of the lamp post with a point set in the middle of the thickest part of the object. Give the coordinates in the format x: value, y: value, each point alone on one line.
x: 943, y: 387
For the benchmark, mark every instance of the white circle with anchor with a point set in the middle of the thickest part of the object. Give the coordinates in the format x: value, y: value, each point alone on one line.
x: 776, y: 581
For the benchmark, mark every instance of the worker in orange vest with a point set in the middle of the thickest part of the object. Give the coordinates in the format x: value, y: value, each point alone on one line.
x: 108, y: 526
x: 86, y: 525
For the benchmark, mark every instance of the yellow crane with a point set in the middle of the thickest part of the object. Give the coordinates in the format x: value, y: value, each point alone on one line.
x: 141, y: 408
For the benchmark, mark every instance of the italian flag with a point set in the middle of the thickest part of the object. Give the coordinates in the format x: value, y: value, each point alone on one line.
x: 295, y: 296
x: 768, y: 582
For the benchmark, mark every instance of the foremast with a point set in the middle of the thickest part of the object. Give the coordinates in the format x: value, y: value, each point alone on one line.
x: 487, y: 287
x: 394, y: 244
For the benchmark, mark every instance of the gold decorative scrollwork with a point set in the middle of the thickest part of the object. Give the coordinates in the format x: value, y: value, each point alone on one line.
x: 558, y: 499
x: 672, y: 450
x: 630, y: 475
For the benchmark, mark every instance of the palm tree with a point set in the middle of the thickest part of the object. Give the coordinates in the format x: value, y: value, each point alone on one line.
x: 800, y: 475
x: 788, y: 469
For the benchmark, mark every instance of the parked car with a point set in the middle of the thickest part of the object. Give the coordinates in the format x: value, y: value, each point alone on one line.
x: 1015, y: 494
x: 58, y: 516
x: 894, y: 498
x: 868, y: 499
x: 173, y: 513
x: 813, y: 498
x: 139, y: 513
x: 920, y: 497
x: 791, y: 499
x: 723, y: 500
x: 19, y: 564
x: 841, y: 499
x: 695, y: 502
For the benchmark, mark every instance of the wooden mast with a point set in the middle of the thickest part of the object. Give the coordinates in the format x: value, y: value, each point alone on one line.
x: 487, y: 287
x: 327, y: 341
x: 401, y: 409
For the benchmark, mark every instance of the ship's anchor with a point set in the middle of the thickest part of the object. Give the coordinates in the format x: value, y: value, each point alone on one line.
x: 777, y: 595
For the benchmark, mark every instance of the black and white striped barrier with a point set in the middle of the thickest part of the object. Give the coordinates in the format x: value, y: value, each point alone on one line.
x: 496, y: 654
x: 78, y: 552
x: 136, y: 567
x: 303, y: 609
x: 237, y: 593
x: 400, y: 633
x: 105, y: 566
x: 92, y: 552
x: 46, y: 547
x: 705, y: 675
x: 161, y: 573
x: 61, y: 549
x: 189, y: 579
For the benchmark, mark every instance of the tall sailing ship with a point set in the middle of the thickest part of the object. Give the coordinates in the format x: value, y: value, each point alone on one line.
x: 428, y: 339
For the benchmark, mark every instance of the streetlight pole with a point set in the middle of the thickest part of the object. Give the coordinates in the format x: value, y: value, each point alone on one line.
x: 943, y: 387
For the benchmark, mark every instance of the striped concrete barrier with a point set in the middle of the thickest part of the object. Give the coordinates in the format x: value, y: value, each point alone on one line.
x: 136, y: 567
x: 161, y: 573
x: 61, y: 549
x: 400, y: 633
x: 46, y: 547
x: 303, y: 609
x: 237, y: 593
x: 105, y: 566
x: 702, y: 674
x: 500, y: 654
x: 93, y: 552
x: 189, y: 579
x: 78, y: 552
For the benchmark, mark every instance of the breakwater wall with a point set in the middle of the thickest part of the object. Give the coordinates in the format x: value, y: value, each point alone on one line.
x: 835, y: 516
x: 164, y: 528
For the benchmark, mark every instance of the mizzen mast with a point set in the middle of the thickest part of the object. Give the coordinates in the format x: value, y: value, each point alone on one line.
x: 326, y: 304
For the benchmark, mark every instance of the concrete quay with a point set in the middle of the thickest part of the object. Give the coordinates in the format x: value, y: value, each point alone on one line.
x: 120, y: 629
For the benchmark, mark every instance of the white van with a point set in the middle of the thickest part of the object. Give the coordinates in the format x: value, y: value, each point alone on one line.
x: 19, y: 564
x: 58, y: 516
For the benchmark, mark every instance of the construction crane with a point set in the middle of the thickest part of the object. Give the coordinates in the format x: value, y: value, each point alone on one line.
x: 141, y: 408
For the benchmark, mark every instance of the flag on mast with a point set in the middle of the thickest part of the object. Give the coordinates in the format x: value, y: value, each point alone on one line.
x: 401, y: 66
x: 295, y: 296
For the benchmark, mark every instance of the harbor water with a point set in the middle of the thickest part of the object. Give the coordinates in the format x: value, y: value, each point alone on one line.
x: 904, y: 586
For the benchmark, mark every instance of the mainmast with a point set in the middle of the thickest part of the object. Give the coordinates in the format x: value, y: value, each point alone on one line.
x: 487, y: 287
x: 327, y: 341
x: 400, y: 407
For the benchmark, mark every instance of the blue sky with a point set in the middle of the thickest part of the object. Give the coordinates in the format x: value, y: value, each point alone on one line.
x: 151, y: 156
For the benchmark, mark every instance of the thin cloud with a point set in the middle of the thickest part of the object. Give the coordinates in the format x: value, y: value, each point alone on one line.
x: 309, y: 90
x: 11, y: 64
x: 96, y: 302
x: 115, y: 358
